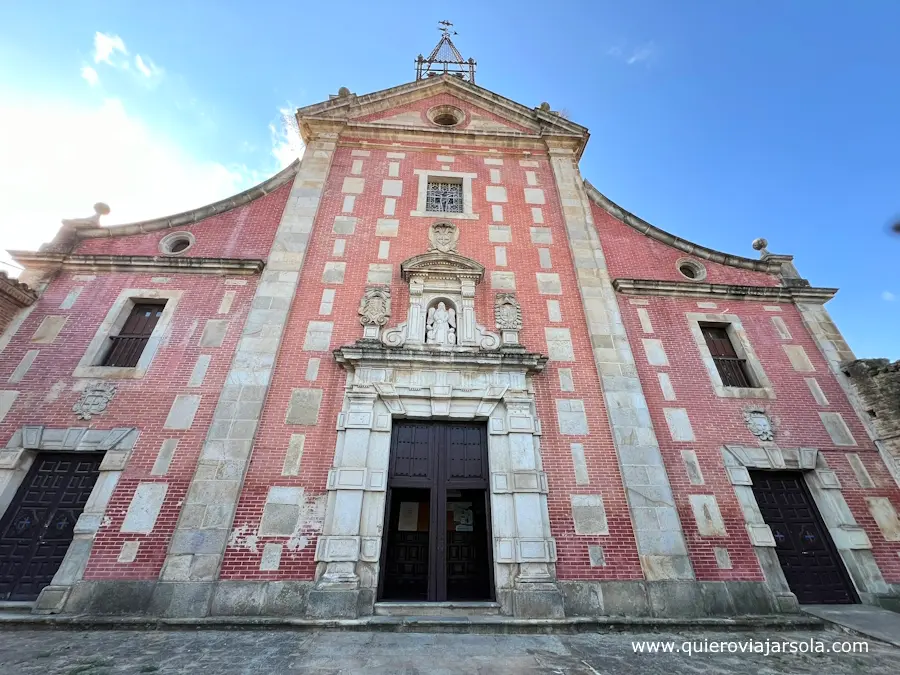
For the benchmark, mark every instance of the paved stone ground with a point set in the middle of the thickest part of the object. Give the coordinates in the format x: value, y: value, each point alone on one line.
x: 52, y: 652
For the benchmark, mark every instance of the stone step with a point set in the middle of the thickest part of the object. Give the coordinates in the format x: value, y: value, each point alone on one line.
x: 16, y: 607
x: 437, y: 609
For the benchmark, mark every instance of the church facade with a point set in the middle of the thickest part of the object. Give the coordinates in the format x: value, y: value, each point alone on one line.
x: 430, y: 363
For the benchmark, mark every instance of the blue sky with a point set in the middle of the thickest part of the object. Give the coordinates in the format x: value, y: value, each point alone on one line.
x: 718, y: 121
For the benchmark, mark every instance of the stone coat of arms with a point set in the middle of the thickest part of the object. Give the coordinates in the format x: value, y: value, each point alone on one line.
x: 94, y: 400
x: 760, y: 424
x: 443, y: 237
x: 375, y: 306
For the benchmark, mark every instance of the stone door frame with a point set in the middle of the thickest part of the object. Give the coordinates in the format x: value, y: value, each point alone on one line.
x: 348, y: 551
x: 850, y: 540
x: 15, y: 461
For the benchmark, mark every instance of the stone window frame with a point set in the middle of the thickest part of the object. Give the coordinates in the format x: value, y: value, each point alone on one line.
x: 166, y: 243
x: 17, y: 458
x: 427, y: 174
x: 849, y: 538
x: 115, y: 318
x: 742, y: 347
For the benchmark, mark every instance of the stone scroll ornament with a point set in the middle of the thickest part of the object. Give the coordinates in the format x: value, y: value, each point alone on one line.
x: 443, y: 237
x: 507, y: 311
x: 375, y: 306
x: 94, y: 400
x: 760, y: 424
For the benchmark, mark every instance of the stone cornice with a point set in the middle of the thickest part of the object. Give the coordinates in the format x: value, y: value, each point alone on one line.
x: 18, y: 293
x: 771, y: 266
x: 198, y: 214
x: 136, y: 263
x: 349, y: 108
x: 371, y: 353
x: 691, y: 289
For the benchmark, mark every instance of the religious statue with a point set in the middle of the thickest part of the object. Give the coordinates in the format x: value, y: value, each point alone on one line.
x: 441, y: 325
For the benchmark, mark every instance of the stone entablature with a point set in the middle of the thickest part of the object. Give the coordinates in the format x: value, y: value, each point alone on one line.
x: 691, y: 289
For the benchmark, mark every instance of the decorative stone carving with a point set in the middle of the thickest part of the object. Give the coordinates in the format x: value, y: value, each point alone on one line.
x: 759, y: 423
x: 100, y: 209
x: 443, y: 237
x: 440, y: 328
x: 441, y: 308
x: 94, y: 400
x: 375, y: 306
x: 508, y: 311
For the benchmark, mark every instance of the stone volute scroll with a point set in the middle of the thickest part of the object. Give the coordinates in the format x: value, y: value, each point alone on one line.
x: 508, y: 314
x: 441, y: 312
x: 374, y: 311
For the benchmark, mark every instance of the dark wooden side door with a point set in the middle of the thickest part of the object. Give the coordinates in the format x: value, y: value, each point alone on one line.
x: 811, y: 563
x: 37, y: 528
x: 445, y: 464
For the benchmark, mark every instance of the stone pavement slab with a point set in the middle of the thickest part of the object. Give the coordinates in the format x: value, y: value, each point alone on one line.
x: 875, y: 622
x: 261, y: 652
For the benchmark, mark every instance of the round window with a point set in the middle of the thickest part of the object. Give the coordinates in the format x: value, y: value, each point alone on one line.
x: 446, y: 115
x: 691, y: 269
x: 176, y: 243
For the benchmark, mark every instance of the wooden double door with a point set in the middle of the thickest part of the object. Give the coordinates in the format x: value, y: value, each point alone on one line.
x: 437, y: 544
x: 38, y: 526
x: 808, y: 557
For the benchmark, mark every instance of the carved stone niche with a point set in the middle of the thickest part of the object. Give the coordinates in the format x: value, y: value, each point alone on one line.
x: 441, y: 312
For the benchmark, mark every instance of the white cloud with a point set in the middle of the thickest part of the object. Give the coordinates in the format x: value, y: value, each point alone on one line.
x: 640, y: 54
x: 102, y: 153
x: 147, y: 67
x: 90, y: 75
x: 287, y: 145
x: 888, y: 296
x: 634, y: 55
x: 106, y: 47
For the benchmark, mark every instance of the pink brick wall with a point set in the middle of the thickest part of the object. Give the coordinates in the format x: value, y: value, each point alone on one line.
x: 46, y: 393
x: 362, y: 249
x: 719, y: 421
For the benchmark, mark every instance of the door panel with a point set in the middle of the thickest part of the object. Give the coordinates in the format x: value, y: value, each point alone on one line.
x: 811, y: 564
x: 37, y: 528
x: 443, y: 465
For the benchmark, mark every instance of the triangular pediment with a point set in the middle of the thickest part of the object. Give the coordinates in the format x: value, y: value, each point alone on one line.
x: 406, y: 106
x: 442, y: 264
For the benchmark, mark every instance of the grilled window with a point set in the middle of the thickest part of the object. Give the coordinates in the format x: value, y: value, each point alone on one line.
x: 128, y: 345
x: 444, y: 197
x: 732, y: 369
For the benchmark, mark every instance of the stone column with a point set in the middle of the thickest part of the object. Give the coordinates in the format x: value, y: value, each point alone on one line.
x: 198, y: 543
x: 466, y: 334
x: 348, y: 550
x: 838, y: 354
x: 526, y: 583
x: 661, y: 546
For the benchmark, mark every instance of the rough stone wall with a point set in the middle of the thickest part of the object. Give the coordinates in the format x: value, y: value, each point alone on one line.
x: 877, y: 384
x: 364, y: 224
x: 693, y: 423
x: 171, y: 406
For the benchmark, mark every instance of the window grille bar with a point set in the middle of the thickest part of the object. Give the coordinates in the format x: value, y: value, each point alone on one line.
x: 444, y: 198
x: 126, y: 350
x: 732, y: 371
